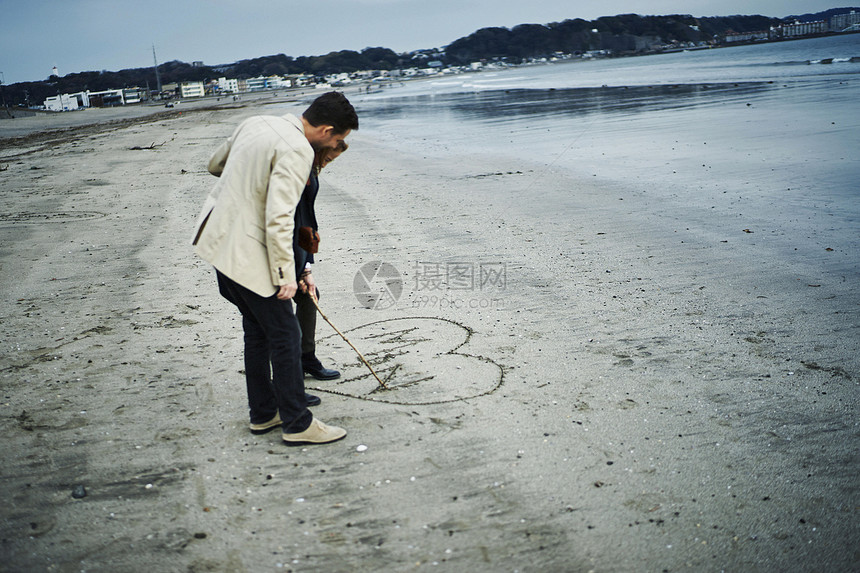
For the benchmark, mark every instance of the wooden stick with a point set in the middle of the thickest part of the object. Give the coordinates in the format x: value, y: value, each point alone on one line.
x: 366, y: 363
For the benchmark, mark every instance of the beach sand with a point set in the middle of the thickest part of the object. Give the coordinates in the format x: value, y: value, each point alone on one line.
x: 597, y: 386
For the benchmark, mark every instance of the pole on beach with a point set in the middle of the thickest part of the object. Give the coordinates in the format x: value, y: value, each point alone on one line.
x: 366, y: 363
x: 2, y: 95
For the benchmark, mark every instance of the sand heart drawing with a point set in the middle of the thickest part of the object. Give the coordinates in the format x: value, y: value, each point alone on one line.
x: 421, y: 360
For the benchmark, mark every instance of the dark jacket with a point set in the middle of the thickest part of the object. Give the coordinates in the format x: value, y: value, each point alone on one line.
x: 305, y: 217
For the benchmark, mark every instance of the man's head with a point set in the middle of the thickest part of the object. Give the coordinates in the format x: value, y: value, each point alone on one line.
x: 328, y: 120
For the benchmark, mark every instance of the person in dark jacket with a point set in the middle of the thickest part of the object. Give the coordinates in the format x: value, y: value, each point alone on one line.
x: 306, y: 311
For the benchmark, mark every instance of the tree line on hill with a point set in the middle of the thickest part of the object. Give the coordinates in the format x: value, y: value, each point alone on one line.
x: 626, y: 33
x: 622, y: 34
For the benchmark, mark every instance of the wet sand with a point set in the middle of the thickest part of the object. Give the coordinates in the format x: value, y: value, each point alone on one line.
x: 598, y: 392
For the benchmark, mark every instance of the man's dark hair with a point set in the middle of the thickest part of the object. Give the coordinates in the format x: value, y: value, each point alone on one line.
x: 332, y: 109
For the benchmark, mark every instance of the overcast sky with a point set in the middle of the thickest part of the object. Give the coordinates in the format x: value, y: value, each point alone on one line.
x: 85, y: 35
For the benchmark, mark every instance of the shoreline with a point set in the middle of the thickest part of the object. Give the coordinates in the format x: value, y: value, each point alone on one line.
x: 12, y: 131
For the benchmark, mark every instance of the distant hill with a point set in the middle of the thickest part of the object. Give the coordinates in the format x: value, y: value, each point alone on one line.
x: 618, y: 35
x: 622, y: 34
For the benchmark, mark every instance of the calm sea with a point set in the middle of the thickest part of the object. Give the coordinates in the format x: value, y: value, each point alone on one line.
x: 779, y: 61
x: 799, y: 100
x: 774, y: 128
x: 615, y: 86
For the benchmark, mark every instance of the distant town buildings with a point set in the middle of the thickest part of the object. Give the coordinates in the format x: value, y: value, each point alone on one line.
x: 191, y: 89
x: 134, y: 95
x: 732, y: 38
x: 227, y: 86
x: 847, y: 22
x: 800, y: 29
x: 63, y: 102
x: 80, y: 100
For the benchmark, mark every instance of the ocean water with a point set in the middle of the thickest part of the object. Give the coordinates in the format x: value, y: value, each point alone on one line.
x: 574, y: 89
x: 539, y: 108
x: 777, y: 61
x: 773, y: 127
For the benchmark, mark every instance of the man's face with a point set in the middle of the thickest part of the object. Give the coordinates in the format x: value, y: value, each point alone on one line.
x: 329, y: 139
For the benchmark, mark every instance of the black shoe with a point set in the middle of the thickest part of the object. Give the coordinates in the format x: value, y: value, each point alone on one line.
x: 322, y: 373
x: 312, y: 400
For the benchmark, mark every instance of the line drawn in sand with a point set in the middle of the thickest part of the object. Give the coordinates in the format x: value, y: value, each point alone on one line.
x: 60, y: 217
x: 420, y: 360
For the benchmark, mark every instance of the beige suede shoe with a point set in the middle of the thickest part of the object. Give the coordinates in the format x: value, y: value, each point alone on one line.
x: 317, y: 433
x: 266, y: 426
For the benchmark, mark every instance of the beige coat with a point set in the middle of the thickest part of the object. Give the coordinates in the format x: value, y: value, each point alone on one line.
x: 245, y: 229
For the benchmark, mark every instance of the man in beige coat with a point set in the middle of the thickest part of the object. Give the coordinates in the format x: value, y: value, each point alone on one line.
x: 245, y: 231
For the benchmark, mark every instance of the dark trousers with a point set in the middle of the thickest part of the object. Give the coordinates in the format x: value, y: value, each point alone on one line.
x: 273, y: 368
x: 306, y: 313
